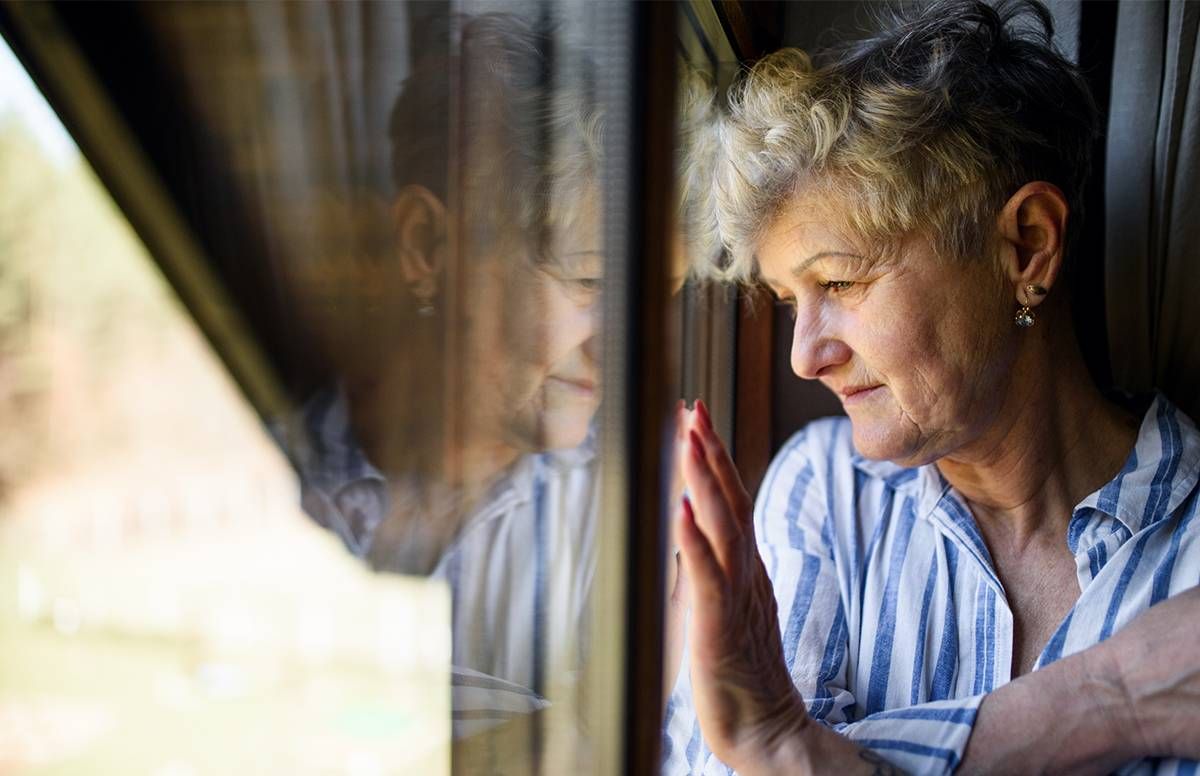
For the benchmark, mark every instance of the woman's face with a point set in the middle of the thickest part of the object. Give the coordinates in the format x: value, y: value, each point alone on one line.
x: 918, y: 348
x: 530, y: 336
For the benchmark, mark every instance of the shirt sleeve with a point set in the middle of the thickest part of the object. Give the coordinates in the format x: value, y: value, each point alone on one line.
x: 793, y: 524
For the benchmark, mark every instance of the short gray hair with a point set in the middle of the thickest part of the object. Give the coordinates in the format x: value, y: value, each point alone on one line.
x: 930, y: 124
x: 529, y: 128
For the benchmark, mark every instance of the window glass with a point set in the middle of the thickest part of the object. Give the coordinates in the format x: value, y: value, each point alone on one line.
x: 706, y: 312
x: 305, y: 465
x: 164, y: 606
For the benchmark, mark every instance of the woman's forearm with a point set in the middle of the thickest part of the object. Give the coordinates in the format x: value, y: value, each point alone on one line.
x: 1071, y: 717
x: 1135, y: 695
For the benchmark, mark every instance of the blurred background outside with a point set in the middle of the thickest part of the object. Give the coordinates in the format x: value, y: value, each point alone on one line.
x: 165, y: 608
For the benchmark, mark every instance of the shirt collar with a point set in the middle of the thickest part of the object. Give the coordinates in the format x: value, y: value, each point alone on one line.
x: 925, y: 484
x: 321, y: 444
x: 520, y: 483
x: 328, y: 459
x: 1158, y: 475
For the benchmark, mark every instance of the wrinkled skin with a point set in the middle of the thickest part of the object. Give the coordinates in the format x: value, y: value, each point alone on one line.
x: 1156, y: 671
x: 744, y: 696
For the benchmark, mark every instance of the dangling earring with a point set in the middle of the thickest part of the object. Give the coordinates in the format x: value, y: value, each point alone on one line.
x: 1024, y: 317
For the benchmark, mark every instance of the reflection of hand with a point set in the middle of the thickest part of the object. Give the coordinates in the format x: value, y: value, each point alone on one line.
x: 745, y: 700
x: 676, y: 583
x: 1156, y: 669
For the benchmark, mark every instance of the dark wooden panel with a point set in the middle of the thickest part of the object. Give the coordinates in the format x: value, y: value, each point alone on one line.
x: 651, y: 185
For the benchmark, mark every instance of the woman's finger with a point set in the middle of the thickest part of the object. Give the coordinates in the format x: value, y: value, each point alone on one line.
x: 713, y: 515
x: 722, y: 465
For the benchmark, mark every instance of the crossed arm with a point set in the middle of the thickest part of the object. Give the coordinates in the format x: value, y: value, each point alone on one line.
x: 1088, y: 713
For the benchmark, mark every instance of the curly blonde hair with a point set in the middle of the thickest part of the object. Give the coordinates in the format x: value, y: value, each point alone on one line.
x: 930, y: 124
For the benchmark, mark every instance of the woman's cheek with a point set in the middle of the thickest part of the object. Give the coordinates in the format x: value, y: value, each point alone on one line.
x: 563, y: 326
x: 890, y: 336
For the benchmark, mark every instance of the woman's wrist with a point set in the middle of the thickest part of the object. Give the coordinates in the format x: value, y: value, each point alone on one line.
x: 784, y: 745
x: 1100, y: 723
x: 819, y: 750
x: 1114, y: 696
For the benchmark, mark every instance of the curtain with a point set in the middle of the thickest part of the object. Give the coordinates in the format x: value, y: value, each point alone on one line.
x: 1152, y: 224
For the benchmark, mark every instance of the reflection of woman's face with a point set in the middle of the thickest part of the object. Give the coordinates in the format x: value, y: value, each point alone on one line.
x: 530, y: 331
x: 931, y: 341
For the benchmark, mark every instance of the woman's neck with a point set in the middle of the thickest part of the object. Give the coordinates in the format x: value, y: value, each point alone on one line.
x: 420, y: 447
x: 1055, y: 440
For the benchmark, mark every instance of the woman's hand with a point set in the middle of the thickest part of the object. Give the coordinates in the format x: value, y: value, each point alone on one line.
x: 749, y: 710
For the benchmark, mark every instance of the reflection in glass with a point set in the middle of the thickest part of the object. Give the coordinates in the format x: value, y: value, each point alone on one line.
x: 403, y: 202
x: 432, y: 235
x: 164, y: 606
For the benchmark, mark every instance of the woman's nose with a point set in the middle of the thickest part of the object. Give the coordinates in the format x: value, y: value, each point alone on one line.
x: 815, y: 349
x: 590, y: 321
x: 583, y: 328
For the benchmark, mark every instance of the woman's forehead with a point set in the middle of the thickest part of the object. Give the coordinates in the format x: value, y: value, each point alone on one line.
x: 588, y: 260
x: 805, y: 229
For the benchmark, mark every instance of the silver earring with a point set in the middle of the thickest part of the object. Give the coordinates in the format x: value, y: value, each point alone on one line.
x: 1024, y: 317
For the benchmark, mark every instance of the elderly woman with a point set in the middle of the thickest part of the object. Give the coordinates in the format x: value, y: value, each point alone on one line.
x: 951, y: 577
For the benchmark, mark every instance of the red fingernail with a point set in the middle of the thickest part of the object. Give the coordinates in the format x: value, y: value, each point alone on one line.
x: 705, y: 418
x: 697, y: 445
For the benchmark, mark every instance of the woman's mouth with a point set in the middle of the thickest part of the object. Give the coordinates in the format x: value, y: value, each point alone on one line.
x: 859, y: 393
x: 581, y: 388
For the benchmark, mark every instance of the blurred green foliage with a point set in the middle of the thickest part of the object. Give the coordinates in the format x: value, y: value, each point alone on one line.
x: 77, y: 305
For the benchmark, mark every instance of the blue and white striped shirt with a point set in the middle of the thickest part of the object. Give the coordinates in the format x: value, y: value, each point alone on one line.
x: 894, y: 622
x: 519, y: 565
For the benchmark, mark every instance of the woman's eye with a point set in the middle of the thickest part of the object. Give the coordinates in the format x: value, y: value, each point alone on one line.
x: 582, y: 289
x: 589, y: 285
x: 837, y: 285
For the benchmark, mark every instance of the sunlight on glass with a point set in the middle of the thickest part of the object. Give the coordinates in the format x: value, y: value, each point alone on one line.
x: 165, y: 608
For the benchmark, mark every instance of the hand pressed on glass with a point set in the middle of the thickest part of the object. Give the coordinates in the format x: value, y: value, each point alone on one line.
x: 750, y: 712
x: 745, y: 699
x: 1129, y: 697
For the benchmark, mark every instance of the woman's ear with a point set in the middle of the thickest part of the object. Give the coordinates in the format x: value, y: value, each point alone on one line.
x: 420, y: 239
x: 1033, y: 230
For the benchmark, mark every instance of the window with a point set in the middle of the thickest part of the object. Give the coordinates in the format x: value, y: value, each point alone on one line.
x: 339, y: 441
